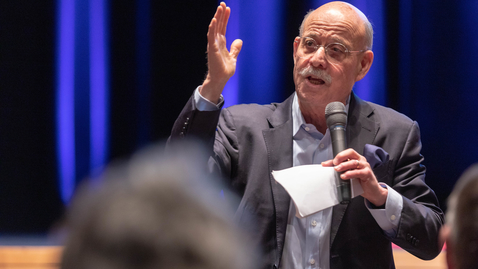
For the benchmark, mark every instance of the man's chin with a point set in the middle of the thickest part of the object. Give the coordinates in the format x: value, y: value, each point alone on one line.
x: 310, y: 95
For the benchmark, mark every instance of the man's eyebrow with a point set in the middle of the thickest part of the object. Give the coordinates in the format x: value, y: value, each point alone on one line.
x: 315, y: 36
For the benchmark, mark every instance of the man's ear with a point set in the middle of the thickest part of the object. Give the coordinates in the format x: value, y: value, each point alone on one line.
x: 295, y: 46
x: 364, y: 64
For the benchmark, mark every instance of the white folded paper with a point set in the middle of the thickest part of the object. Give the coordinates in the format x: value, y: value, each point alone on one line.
x: 312, y: 187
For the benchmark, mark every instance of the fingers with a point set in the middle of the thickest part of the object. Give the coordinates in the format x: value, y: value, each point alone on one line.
x: 222, y: 17
x: 348, y: 154
x: 344, y: 160
x: 225, y: 20
x: 217, y: 19
x: 362, y: 173
x: 352, y: 165
x: 211, y: 34
x: 218, y: 24
x: 328, y: 163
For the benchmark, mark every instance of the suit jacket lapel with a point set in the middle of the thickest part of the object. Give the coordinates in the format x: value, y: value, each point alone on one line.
x: 361, y: 130
x: 361, y: 127
x: 278, y: 139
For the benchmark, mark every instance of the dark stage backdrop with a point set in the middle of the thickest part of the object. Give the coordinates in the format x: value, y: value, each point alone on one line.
x: 152, y: 56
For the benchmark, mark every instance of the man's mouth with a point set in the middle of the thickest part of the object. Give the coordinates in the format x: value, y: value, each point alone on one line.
x: 315, y: 81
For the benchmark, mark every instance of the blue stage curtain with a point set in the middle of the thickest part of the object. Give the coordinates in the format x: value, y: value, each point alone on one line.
x: 437, y: 83
x: 82, y: 91
x: 260, y: 64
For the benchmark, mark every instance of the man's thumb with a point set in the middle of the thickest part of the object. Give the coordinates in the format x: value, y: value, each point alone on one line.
x: 236, y: 47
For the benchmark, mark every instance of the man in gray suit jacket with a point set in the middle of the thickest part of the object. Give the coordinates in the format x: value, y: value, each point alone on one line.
x: 247, y: 142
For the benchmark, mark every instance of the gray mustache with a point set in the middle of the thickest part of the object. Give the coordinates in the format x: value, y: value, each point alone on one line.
x: 319, y: 73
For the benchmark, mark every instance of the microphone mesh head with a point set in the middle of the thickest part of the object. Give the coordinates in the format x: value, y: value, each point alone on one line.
x: 335, y: 114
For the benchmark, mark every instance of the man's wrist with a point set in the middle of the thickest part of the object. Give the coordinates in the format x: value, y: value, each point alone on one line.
x: 202, y: 104
x: 379, y: 203
x: 212, y: 90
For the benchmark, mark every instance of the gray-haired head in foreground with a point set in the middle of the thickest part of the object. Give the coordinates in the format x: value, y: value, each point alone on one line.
x: 154, y: 211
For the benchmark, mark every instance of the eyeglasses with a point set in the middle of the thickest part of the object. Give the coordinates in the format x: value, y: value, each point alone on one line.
x: 334, y: 52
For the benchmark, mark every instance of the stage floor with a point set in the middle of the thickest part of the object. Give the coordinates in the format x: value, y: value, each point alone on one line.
x: 48, y: 257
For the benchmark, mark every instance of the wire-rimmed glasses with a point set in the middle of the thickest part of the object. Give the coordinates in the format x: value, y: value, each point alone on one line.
x: 334, y: 52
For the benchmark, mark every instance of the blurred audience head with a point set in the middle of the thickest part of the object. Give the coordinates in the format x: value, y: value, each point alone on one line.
x: 461, y: 229
x: 155, y: 211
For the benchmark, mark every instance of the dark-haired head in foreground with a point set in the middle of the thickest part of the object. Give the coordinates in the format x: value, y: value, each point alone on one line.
x: 461, y: 229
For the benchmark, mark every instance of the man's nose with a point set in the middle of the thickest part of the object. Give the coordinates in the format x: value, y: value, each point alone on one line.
x: 319, y: 58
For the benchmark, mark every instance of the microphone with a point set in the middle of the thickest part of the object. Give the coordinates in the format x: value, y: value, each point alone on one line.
x: 336, y: 117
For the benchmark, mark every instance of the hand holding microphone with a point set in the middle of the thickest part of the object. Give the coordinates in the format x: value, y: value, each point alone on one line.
x: 351, y: 164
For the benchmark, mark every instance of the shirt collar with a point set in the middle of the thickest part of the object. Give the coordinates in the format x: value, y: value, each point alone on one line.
x: 298, y: 119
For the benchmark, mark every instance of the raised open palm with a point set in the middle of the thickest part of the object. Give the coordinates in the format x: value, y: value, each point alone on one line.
x: 221, y: 62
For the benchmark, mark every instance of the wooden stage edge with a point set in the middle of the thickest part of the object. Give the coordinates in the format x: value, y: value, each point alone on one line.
x: 48, y: 257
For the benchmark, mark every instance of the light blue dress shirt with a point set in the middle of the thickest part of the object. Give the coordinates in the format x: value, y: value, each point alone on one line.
x: 307, y: 242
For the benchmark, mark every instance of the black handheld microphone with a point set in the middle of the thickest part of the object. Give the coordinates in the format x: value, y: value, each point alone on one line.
x: 336, y: 117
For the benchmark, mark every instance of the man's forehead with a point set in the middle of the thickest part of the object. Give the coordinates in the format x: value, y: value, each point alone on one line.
x: 343, y: 19
x: 332, y: 20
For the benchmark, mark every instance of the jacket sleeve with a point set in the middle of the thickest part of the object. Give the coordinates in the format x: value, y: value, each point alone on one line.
x: 215, y: 130
x: 421, y: 217
x: 194, y: 124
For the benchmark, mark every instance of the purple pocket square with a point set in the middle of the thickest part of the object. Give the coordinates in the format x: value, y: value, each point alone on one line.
x: 375, y: 155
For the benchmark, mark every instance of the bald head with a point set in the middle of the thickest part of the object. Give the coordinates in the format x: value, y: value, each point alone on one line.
x: 341, y: 10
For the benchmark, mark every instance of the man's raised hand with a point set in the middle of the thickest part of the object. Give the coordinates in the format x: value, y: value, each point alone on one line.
x: 221, y: 62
